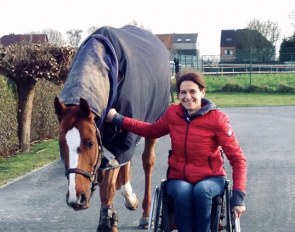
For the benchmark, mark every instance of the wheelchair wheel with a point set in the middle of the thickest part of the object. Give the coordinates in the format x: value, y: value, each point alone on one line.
x: 155, y: 217
x: 216, y: 212
x: 233, y: 224
x: 167, y: 211
x: 229, y: 225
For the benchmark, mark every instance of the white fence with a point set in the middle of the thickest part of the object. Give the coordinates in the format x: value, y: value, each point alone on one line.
x: 231, y: 69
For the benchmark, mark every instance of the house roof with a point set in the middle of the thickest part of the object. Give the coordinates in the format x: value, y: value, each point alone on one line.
x: 7, y: 40
x: 243, y: 38
x: 228, y: 38
x: 166, y: 39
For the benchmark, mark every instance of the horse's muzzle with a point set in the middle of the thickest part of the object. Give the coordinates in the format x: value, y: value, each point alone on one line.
x: 79, y: 204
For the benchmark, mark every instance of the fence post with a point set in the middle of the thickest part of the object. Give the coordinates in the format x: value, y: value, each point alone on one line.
x: 250, y: 69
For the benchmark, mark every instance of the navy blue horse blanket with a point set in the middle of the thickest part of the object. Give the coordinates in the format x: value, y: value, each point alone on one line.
x: 142, y: 93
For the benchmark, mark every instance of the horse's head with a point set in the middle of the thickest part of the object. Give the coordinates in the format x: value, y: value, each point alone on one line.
x: 80, y: 149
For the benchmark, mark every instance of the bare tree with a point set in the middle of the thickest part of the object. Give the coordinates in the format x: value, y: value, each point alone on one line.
x: 25, y: 64
x: 74, y: 37
x: 55, y: 38
x: 92, y: 29
x: 292, y: 18
x: 269, y: 29
x: 137, y: 24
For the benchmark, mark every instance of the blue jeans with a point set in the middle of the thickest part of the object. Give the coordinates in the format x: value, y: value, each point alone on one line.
x: 193, y: 202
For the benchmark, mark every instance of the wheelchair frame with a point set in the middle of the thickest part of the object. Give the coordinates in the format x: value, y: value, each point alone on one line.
x: 161, y: 217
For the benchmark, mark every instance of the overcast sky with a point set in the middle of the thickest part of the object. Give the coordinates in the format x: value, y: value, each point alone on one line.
x: 205, y: 17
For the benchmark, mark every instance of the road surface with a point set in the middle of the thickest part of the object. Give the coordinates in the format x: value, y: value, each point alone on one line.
x: 36, y: 202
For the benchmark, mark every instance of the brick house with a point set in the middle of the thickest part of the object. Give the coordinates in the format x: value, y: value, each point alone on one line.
x: 243, y: 45
x: 184, y: 47
x: 228, y: 46
x: 7, y: 40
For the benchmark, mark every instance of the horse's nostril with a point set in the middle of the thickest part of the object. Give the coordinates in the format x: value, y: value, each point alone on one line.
x: 82, y: 199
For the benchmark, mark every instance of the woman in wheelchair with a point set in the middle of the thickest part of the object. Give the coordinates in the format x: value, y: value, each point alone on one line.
x: 200, y: 134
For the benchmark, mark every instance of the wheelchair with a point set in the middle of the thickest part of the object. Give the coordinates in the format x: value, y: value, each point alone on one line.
x: 161, y: 217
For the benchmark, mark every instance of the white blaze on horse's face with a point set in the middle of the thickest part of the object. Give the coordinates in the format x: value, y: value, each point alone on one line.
x: 73, y: 140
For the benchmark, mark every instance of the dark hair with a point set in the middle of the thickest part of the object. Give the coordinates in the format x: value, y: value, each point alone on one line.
x: 190, y: 76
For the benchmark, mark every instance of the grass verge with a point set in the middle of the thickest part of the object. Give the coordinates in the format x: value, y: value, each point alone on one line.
x: 21, y: 163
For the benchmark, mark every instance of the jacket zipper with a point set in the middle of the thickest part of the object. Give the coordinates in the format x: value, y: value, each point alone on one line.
x: 185, y: 150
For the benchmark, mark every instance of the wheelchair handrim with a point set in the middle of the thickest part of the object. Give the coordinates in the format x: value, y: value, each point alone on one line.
x: 154, y: 199
x: 237, y: 225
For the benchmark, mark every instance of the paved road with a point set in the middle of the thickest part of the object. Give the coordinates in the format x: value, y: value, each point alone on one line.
x: 36, y: 202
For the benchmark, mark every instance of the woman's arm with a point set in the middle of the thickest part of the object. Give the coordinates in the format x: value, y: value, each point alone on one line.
x: 141, y: 128
x: 229, y: 143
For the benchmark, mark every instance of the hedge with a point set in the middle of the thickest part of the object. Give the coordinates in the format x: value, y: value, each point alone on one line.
x: 44, y: 122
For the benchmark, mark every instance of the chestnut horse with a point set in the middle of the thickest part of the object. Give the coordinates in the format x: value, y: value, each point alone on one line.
x: 128, y: 69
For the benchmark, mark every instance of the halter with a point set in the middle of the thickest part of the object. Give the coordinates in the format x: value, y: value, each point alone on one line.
x: 92, y: 176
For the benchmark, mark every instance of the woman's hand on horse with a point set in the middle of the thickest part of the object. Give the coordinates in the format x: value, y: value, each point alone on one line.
x: 111, y: 114
x: 239, y: 210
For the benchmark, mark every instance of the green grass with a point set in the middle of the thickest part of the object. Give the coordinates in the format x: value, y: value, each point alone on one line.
x: 21, y: 163
x: 265, y: 82
x: 251, y: 99
x: 48, y: 151
x: 271, y: 80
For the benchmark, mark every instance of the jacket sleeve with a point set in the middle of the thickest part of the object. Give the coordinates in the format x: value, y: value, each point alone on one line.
x: 144, y: 129
x: 229, y: 144
x: 237, y: 198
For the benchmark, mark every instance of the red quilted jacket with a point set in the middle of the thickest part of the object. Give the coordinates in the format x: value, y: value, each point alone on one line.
x: 196, y: 143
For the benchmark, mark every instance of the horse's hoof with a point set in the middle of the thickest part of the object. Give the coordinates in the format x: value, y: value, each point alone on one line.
x: 106, y: 229
x: 143, y: 223
x: 128, y: 203
x: 103, y: 229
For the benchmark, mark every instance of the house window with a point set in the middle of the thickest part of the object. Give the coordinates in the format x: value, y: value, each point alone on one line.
x: 187, y: 40
x: 179, y: 40
x: 228, y: 39
x: 228, y: 52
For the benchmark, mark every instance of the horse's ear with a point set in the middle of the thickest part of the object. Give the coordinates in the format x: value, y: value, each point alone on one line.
x: 59, y: 108
x: 84, y: 108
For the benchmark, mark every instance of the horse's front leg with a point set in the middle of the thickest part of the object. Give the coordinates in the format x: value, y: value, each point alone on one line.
x: 123, y: 182
x: 148, y: 163
x: 108, y: 221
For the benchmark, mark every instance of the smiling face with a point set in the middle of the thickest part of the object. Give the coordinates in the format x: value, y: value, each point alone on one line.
x: 190, y: 96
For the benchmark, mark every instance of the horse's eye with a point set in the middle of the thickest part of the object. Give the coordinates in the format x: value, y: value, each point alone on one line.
x: 90, y: 144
